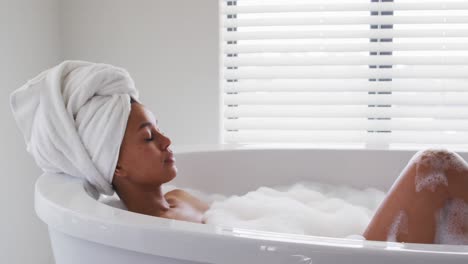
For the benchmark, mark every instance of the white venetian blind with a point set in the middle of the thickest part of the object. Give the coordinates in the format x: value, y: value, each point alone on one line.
x: 358, y: 73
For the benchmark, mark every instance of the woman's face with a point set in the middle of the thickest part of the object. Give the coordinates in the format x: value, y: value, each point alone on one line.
x: 145, y: 158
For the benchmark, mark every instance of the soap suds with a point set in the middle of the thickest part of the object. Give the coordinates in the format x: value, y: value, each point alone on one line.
x: 452, y: 223
x: 430, y: 181
x: 432, y: 165
x: 399, y: 226
x: 307, y: 208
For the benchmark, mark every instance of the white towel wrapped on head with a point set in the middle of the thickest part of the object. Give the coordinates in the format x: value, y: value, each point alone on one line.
x: 73, y: 118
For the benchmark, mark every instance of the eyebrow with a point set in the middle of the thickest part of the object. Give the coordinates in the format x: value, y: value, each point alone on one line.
x: 146, y: 124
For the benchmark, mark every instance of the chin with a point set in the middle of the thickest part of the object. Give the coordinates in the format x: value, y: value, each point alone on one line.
x: 172, y: 174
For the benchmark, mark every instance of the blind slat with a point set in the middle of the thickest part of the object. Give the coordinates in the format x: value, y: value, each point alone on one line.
x: 344, y: 20
x: 345, y: 6
x: 347, y: 111
x: 346, y: 47
x: 291, y: 60
x: 348, y: 99
x: 350, y: 72
x: 363, y: 33
x: 348, y: 85
x: 346, y: 124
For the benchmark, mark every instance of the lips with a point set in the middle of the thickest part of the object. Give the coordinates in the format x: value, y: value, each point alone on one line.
x: 169, y: 159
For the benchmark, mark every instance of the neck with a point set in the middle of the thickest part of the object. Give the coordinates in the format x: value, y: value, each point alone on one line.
x: 143, y: 201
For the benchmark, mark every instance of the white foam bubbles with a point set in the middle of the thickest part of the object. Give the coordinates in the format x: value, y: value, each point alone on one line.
x: 399, y: 225
x: 432, y: 165
x: 452, y: 222
x: 430, y: 181
x: 306, y: 208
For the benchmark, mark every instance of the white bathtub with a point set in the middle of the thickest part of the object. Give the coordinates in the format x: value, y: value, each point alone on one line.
x: 83, y: 230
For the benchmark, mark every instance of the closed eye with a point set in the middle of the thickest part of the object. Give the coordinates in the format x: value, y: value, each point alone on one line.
x: 150, y: 139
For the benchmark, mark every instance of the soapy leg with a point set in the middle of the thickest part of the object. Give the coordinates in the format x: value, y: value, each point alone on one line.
x: 410, y: 212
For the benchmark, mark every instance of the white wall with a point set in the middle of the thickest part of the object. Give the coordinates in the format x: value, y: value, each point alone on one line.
x: 169, y: 47
x: 29, y: 43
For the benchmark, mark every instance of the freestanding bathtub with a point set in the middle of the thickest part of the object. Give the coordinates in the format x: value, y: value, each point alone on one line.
x: 84, y: 230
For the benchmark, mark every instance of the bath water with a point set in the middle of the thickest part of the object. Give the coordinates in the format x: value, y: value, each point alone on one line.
x: 317, y: 209
x: 303, y: 208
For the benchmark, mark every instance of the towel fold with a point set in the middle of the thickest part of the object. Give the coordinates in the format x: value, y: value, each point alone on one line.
x: 73, y: 118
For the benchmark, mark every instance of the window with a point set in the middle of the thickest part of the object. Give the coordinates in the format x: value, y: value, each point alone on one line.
x: 347, y: 73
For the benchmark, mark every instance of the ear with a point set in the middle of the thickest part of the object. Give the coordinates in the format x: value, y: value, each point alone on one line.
x: 120, y: 172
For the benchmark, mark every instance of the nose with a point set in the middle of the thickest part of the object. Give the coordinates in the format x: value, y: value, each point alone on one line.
x: 165, y: 142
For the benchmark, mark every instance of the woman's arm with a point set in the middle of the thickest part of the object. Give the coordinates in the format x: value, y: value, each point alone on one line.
x: 409, y: 213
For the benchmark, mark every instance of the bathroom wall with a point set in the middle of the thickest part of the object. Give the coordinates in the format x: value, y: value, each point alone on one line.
x: 169, y: 47
x: 29, y: 43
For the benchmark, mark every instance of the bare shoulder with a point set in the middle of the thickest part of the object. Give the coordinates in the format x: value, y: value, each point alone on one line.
x: 180, y: 196
x: 178, y: 193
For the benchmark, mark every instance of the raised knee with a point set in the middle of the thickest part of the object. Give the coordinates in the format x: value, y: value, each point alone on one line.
x: 439, y: 159
x: 434, y: 167
x: 433, y: 153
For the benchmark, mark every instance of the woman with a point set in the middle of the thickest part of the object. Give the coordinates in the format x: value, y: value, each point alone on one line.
x: 132, y: 156
x: 431, y: 179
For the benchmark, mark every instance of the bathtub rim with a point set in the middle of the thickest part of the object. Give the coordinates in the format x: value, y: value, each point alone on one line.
x: 71, y: 210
